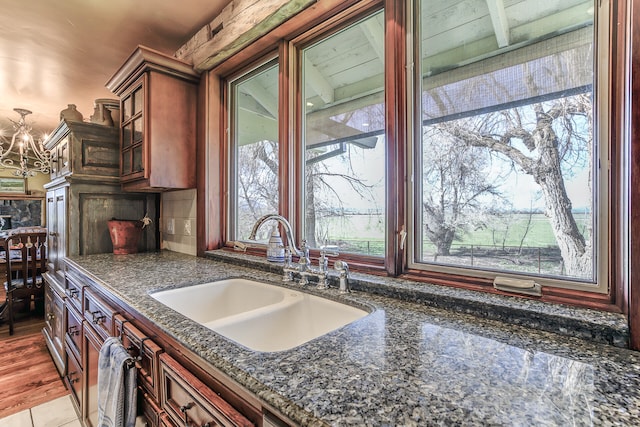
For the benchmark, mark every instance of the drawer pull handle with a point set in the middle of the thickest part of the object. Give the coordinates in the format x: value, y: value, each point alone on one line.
x: 73, y: 330
x: 184, y: 409
x: 72, y: 380
x: 72, y: 293
x: 98, y: 317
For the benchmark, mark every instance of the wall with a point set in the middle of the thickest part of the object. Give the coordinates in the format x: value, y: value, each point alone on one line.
x: 35, y: 185
x: 178, y: 219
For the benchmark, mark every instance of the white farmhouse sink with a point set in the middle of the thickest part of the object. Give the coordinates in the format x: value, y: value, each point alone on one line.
x: 257, y: 315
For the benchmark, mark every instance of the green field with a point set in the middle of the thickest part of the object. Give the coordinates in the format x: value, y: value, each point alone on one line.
x: 365, y: 233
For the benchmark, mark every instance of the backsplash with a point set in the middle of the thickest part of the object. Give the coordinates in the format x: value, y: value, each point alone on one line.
x: 179, y: 221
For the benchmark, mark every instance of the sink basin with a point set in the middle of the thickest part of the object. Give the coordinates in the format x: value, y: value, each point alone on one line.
x: 215, y: 300
x: 257, y: 315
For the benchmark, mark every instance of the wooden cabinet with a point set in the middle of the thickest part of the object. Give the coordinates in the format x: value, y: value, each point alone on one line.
x: 83, y: 149
x: 169, y: 394
x: 56, y: 225
x: 158, y: 98
x: 91, y: 352
x: 84, y: 193
x: 55, y: 324
x: 188, y: 401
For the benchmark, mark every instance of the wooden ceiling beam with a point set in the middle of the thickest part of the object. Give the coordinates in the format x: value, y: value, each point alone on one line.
x: 316, y: 81
x: 499, y: 21
x: 374, y: 32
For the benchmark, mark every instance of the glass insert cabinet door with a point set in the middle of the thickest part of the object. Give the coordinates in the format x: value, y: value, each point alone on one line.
x: 132, y: 128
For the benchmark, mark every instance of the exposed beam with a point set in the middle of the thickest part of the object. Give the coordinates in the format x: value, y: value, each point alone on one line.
x: 499, y: 21
x: 317, y: 82
x: 239, y: 24
x: 374, y: 32
x: 264, y: 98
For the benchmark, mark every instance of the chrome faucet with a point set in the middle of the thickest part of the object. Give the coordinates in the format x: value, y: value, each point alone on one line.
x: 288, y: 231
x: 343, y: 271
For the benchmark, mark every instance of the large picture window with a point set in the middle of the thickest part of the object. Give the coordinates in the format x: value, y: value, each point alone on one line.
x: 343, y: 139
x: 254, y: 149
x: 506, y: 160
x: 497, y: 161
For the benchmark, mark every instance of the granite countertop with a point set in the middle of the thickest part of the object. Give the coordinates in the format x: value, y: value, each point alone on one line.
x: 407, y: 363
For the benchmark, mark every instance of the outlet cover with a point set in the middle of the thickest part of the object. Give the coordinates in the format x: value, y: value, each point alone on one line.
x: 187, y: 227
x: 171, y: 226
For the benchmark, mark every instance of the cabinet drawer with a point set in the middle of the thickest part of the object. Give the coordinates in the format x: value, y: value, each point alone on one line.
x: 73, y: 379
x: 188, y: 401
x: 73, y: 334
x: 149, y: 407
x: 143, y: 350
x: 74, y: 293
x: 165, y: 421
x: 98, y: 314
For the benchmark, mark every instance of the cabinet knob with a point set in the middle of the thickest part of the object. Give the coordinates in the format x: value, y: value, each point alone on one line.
x: 98, y: 317
x: 184, y: 409
x: 70, y: 379
x: 50, y: 316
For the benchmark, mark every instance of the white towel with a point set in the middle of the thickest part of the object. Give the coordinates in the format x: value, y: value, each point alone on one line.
x: 116, y: 386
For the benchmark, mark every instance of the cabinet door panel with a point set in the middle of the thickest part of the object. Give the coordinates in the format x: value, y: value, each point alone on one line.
x: 188, y: 401
x: 54, y: 326
x: 73, y: 333
x: 74, y: 380
x: 98, y: 314
x: 145, y: 352
x: 91, y: 352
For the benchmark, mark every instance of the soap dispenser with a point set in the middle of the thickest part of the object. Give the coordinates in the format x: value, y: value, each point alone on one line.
x: 275, y: 248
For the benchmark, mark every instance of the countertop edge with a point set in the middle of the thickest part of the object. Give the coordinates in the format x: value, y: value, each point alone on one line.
x: 592, y: 325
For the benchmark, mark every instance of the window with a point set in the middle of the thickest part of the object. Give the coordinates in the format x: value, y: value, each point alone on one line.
x: 506, y: 168
x: 254, y: 152
x: 343, y: 139
x: 506, y: 154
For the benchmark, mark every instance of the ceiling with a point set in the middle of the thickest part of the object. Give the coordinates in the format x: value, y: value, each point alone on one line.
x: 54, y: 53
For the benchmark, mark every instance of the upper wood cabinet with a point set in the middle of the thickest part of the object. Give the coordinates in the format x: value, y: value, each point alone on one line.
x: 158, y: 97
x: 83, y: 149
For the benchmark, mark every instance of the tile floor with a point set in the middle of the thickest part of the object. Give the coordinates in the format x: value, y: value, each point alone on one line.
x: 56, y: 413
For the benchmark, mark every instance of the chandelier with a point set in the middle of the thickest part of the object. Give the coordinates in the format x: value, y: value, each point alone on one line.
x: 23, y: 155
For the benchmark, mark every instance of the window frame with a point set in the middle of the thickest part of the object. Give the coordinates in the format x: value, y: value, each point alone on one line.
x: 399, y: 100
x: 231, y: 83
x: 602, y: 196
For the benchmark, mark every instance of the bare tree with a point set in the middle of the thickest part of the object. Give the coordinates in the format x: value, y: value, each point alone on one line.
x: 547, y: 141
x: 257, y: 182
x: 456, y: 188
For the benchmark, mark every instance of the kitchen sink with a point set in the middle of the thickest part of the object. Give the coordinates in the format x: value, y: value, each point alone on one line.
x: 259, y: 316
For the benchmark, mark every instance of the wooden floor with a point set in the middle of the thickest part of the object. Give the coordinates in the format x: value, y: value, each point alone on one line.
x: 28, y: 376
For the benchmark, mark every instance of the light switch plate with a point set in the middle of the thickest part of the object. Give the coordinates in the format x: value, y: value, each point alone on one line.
x: 187, y: 227
x: 171, y: 226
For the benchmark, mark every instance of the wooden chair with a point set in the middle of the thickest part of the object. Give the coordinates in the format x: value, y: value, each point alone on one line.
x: 26, y: 260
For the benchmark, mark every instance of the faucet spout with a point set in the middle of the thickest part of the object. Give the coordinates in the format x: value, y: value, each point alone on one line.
x: 287, y: 230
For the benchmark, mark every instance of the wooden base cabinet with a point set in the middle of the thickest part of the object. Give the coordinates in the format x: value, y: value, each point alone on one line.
x: 91, y: 352
x: 54, y: 324
x: 188, y: 401
x: 172, y: 390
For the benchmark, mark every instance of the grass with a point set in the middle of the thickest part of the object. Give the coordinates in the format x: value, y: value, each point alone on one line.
x: 507, y: 230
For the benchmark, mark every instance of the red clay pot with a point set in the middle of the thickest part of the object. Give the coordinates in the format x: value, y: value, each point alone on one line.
x: 125, y: 235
